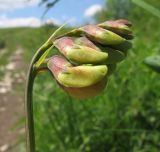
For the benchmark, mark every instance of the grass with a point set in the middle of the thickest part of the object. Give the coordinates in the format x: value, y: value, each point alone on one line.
x: 30, y: 39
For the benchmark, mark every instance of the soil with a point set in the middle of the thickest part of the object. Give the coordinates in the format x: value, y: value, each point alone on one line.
x: 12, y: 103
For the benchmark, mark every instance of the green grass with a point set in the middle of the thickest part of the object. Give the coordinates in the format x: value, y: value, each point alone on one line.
x: 29, y: 39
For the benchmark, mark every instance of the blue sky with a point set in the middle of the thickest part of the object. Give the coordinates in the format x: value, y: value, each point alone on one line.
x: 79, y: 11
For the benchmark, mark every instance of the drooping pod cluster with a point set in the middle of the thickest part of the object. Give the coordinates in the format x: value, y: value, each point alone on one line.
x: 89, y: 55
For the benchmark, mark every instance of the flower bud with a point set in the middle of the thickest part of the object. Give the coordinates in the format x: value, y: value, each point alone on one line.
x: 118, y: 26
x: 83, y: 41
x: 87, y: 51
x: 86, y: 92
x: 76, y: 76
x: 114, y: 56
x: 124, y: 21
x: 92, y: 52
x: 59, y: 65
x: 80, y: 50
x: 101, y: 35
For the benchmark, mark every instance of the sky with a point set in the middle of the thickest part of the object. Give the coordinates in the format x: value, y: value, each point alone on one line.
x: 16, y: 13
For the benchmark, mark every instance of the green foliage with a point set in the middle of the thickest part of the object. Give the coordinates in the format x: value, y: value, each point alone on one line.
x: 114, y: 9
x: 147, y: 7
x: 29, y: 39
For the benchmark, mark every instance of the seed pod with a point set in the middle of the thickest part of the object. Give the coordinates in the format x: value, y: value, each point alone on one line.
x: 72, y: 49
x: 78, y: 76
x: 101, y: 35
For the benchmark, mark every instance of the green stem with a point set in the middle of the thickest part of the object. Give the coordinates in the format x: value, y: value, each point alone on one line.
x: 33, y: 70
x: 29, y: 115
x: 28, y: 97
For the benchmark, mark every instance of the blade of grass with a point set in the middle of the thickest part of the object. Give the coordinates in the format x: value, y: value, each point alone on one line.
x: 147, y: 7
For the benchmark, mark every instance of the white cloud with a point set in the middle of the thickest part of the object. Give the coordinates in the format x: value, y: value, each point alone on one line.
x: 7, y: 5
x: 23, y: 22
x: 92, y: 10
x: 19, y: 22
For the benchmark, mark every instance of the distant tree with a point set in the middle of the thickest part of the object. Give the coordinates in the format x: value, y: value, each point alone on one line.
x: 114, y: 9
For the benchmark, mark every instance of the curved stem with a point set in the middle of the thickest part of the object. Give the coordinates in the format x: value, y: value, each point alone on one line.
x: 28, y: 98
x: 33, y: 70
x: 29, y: 110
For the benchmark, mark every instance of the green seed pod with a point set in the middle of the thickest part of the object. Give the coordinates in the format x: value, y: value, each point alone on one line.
x: 78, y: 76
x: 72, y: 49
x: 101, y: 35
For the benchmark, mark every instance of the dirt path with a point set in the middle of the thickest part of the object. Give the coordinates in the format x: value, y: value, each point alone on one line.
x: 12, y: 102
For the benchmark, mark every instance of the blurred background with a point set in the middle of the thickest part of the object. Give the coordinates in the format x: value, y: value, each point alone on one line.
x: 125, y: 117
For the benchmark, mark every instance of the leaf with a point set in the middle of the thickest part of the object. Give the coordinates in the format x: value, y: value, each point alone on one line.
x: 153, y: 62
x: 42, y: 58
x: 44, y: 55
